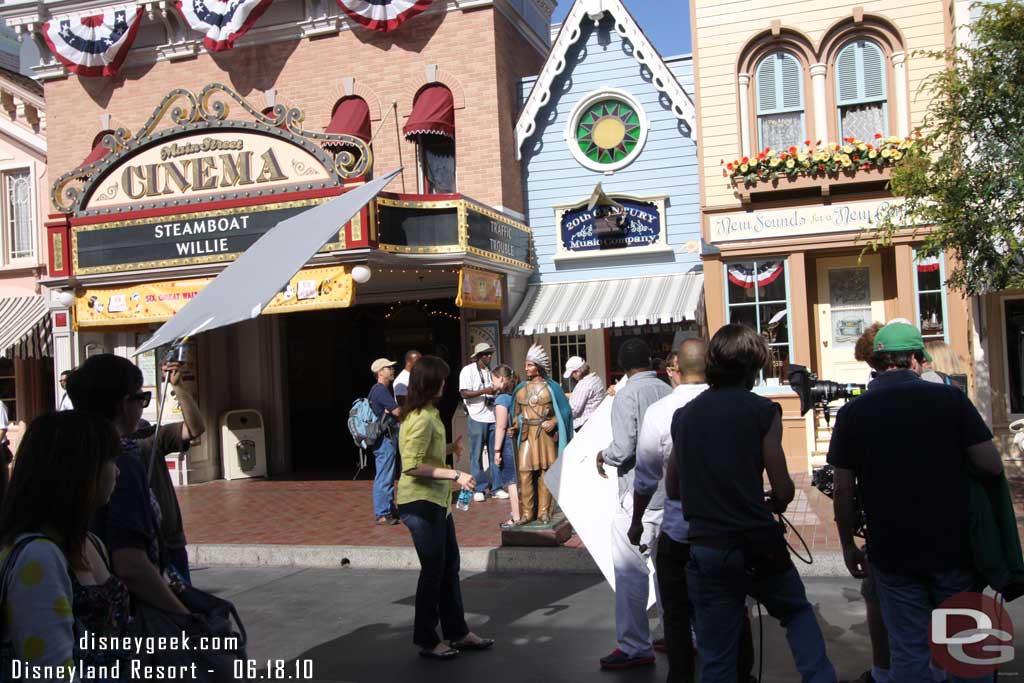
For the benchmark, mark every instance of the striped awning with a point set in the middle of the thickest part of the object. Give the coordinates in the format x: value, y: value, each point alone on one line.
x: 569, y: 306
x: 25, y: 330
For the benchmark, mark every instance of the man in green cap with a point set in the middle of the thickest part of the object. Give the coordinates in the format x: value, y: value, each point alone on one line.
x: 903, y: 445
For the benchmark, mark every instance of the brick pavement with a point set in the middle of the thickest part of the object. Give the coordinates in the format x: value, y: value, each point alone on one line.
x: 339, y: 512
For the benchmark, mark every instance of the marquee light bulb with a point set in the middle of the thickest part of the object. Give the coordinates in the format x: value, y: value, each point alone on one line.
x: 362, y: 274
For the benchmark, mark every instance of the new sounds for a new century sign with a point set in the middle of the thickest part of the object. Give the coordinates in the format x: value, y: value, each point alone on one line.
x: 205, y: 167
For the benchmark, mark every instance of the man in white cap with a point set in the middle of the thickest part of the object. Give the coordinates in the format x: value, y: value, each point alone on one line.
x: 382, y: 403
x: 588, y: 393
x: 478, y: 393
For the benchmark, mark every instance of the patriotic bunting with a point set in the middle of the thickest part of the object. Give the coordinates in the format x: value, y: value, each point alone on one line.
x: 382, y: 15
x: 93, y: 44
x: 221, y: 21
x: 928, y: 264
x: 766, y: 273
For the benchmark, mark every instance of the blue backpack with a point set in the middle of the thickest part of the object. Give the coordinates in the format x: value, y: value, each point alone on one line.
x: 363, y: 425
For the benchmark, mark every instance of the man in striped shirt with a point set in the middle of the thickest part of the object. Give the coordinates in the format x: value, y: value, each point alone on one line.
x: 588, y: 393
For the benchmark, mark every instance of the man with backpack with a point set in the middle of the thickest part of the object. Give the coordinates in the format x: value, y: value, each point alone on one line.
x: 386, y: 411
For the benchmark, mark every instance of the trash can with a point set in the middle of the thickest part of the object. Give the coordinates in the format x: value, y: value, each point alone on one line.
x: 243, y: 445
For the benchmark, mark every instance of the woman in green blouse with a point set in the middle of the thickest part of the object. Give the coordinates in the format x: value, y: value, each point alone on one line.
x: 424, y: 506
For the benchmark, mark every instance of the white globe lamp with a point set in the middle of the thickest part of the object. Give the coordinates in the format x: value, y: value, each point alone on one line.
x: 66, y: 298
x: 362, y: 274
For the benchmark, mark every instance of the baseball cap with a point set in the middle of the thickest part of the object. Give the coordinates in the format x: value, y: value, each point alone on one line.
x: 900, y: 336
x: 380, y: 364
x: 572, y: 365
x: 482, y: 347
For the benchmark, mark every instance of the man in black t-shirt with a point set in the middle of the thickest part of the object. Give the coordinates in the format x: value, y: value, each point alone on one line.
x: 725, y: 441
x: 906, y: 445
x: 384, y: 407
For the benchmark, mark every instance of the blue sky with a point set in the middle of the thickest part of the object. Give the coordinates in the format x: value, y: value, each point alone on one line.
x: 666, y: 22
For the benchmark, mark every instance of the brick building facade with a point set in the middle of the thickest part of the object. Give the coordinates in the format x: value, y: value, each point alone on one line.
x: 301, y: 372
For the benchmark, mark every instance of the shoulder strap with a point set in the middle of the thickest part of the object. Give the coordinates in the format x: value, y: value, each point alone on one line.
x: 101, y: 548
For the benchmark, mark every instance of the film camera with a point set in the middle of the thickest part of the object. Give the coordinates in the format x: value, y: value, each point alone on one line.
x: 820, y: 393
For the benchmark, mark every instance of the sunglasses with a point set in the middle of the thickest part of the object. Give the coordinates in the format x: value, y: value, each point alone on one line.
x: 143, y: 397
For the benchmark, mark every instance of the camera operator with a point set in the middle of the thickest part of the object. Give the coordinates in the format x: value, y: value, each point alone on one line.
x: 905, y: 430
x: 725, y: 440
x: 175, y: 437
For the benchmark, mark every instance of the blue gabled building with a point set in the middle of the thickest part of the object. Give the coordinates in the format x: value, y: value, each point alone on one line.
x: 607, y: 138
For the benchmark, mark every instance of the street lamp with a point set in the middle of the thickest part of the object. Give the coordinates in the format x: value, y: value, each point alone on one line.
x: 66, y: 298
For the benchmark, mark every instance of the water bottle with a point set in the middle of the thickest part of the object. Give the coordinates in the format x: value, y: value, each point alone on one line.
x: 464, y: 498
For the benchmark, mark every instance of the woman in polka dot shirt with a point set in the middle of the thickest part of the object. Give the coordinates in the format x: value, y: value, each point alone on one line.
x: 65, y: 471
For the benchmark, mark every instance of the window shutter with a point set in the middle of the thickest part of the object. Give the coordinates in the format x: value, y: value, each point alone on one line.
x: 860, y: 74
x: 847, y: 85
x: 874, y: 71
x: 779, y: 87
x: 766, y: 86
x: 791, y: 85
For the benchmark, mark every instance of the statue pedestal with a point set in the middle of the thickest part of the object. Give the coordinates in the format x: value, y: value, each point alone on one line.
x: 555, y: 533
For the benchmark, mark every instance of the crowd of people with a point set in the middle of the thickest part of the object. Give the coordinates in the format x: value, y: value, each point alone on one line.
x: 692, y: 458
x: 90, y: 528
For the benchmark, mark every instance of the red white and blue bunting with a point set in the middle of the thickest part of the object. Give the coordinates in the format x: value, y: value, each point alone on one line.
x: 222, y: 22
x: 93, y: 44
x: 746, y: 277
x: 928, y: 264
x: 382, y: 15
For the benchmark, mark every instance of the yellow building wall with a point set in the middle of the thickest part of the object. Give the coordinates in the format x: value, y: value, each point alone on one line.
x: 721, y: 30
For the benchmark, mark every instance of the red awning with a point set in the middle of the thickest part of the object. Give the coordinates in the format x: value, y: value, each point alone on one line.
x: 351, y: 117
x: 432, y: 114
x: 97, y: 153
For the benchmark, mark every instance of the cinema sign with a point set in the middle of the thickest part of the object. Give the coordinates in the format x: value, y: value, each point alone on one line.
x: 194, y: 186
x: 207, y: 165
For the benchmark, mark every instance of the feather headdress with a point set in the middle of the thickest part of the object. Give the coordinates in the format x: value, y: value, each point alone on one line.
x: 539, y: 357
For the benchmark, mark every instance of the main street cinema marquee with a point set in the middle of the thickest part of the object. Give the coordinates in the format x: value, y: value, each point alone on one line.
x: 193, y: 186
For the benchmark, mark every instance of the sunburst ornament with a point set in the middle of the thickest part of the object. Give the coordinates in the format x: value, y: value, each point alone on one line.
x: 608, y: 131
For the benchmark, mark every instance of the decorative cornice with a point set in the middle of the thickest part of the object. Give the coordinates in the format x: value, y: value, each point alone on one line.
x: 572, y: 29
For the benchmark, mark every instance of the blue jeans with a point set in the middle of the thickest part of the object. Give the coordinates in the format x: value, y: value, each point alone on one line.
x: 718, y: 585
x: 907, y: 604
x: 507, y: 469
x: 482, y: 434
x: 384, y: 481
x: 438, y: 594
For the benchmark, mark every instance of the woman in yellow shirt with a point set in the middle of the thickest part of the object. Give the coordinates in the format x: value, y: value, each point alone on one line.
x: 424, y: 506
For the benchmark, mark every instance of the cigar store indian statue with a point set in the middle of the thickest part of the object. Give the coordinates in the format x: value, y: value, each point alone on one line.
x: 543, y: 419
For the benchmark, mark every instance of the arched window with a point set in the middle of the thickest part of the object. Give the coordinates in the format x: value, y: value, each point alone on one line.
x: 779, y: 88
x: 432, y: 126
x: 861, y: 97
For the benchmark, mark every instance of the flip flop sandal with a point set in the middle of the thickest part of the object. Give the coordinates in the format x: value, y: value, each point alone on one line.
x: 450, y: 653
x: 482, y: 644
x: 508, y: 524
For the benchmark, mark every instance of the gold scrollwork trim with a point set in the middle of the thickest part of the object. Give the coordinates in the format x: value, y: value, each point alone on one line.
x: 200, y: 112
x: 195, y: 260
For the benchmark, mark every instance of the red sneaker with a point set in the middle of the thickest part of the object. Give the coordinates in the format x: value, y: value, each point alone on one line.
x: 620, y: 660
